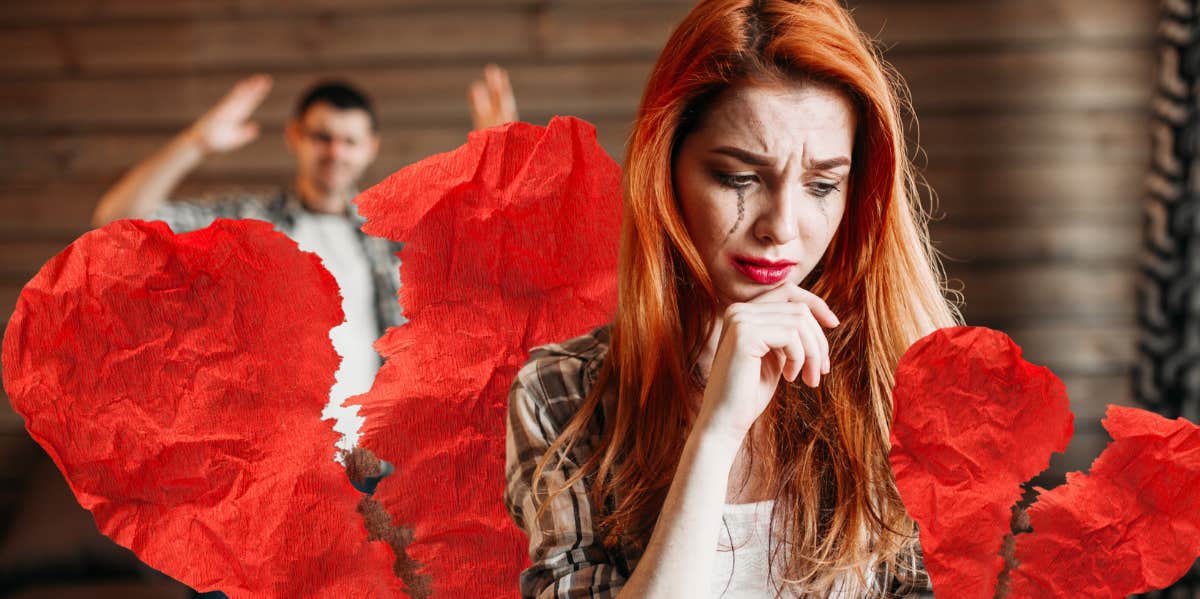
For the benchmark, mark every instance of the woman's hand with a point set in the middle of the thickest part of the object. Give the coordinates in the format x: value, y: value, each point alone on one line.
x: 777, y: 334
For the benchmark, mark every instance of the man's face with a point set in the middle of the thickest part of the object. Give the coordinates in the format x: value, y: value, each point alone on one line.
x: 332, y: 147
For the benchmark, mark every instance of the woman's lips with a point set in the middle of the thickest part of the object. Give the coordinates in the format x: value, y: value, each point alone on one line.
x: 763, y: 272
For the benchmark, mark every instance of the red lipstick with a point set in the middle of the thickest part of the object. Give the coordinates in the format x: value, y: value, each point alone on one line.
x: 761, y: 270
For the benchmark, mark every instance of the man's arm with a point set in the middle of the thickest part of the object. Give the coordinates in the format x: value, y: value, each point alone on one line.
x: 223, y: 128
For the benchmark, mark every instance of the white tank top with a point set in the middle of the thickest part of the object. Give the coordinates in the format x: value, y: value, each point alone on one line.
x: 743, y: 554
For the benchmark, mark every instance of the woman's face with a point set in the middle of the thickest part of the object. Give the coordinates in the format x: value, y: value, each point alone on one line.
x: 762, y: 183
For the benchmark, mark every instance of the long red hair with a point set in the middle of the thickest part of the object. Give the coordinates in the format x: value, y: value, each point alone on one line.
x: 837, y: 510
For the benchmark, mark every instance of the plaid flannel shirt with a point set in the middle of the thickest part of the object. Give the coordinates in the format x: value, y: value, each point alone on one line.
x: 282, y: 208
x: 569, y: 561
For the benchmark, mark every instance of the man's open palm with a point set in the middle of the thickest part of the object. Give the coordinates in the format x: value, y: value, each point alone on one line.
x: 226, y: 126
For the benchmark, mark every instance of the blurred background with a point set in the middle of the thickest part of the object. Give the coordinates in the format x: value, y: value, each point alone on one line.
x: 1035, y: 133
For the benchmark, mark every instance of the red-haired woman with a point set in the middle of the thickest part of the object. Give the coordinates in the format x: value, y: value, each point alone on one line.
x: 728, y: 434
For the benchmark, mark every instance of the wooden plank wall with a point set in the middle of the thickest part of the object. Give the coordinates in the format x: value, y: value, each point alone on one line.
x: 1033, y: 124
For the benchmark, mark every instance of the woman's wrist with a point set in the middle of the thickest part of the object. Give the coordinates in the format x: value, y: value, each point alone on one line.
x: 682, y: 549
x: 707, y: 432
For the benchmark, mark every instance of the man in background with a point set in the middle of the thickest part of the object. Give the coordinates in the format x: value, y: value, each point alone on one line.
x: 333, y: 136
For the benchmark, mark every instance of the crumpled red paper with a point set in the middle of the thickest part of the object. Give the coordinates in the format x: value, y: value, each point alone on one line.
x: 972, y: 421
x: 1131, y: 525
x: 178, y: 383
x: 511, y: 242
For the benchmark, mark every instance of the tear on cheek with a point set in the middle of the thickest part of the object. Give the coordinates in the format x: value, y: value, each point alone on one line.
x: 741, y: 212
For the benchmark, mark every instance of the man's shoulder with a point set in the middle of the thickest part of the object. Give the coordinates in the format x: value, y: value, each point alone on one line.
x: 245, y: 200
x: 197, y: 212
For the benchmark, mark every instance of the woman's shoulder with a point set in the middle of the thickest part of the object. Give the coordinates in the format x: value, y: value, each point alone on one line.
x: 588, y: 346
x: 558, y: 377
x: 568, y: 368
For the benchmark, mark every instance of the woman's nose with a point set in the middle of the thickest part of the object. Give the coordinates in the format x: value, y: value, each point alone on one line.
x: 777, y: 222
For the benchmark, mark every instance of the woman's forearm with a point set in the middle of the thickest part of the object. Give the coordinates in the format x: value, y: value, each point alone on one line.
x: 680, y: 556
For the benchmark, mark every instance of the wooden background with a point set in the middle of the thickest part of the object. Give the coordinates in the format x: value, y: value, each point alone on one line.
x: 1033, y: 124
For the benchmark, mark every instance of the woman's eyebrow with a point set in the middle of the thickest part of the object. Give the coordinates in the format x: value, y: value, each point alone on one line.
x: 751, y: 158
x: 829, y: 164
x: 744, y: 155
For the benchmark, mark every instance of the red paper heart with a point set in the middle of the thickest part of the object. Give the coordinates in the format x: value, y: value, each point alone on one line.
x: 1130, y: 525
x: 511, y: 242
x: 972, y: 421
x: 178, y: 382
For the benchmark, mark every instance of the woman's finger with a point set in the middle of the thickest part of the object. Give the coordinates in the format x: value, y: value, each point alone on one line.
x: 792, y: 314
x: 811, y: 373
x: 780, y: 362
x: 796, y: 294
x: 790, y: 339
x: 824, y: 341
x: 795, y: 353
x: 799, y: 317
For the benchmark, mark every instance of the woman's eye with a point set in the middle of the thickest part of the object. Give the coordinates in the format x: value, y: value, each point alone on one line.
x: 822, y: 189
x: 733, y: 181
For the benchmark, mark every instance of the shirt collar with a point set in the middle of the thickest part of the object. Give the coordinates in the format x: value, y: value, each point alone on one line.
x: 287, y: 207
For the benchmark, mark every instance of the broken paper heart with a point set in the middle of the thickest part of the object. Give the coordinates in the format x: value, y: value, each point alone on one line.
x: 178, y: 381
x: 972, y: 421
x: 511, y: 243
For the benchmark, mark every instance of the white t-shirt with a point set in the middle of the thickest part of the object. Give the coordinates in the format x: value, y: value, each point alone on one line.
x: 335, y: 239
